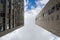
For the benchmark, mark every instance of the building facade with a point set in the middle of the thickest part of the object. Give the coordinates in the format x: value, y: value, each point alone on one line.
x: 11, y: 15
x: 49, y: 17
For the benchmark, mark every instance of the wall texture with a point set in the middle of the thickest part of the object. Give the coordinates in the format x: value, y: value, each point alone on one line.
x: 49, y: 17
x: 11, y: 15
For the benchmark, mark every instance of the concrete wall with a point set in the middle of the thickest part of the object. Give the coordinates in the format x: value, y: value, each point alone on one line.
x: 49, y: 17
x: 13, y: 16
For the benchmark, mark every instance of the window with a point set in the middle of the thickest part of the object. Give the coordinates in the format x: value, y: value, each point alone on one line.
x: 43, y: 14
x: 49, y: 11
x: 0, y: 27
x: 52, y: 9
x: 1, y: 8
x: 2, y: 15
x: 57, y: 6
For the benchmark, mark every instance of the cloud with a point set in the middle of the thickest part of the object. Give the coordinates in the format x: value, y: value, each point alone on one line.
x: 29, y: 4
x: 44, y: 1
x: 35, y: 11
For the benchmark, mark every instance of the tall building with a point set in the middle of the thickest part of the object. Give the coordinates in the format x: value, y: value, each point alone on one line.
x: 49, y: 17
x: 11, y: 15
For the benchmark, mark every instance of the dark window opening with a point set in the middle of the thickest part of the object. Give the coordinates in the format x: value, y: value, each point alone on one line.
x: 57, y: 6
x: 2, y: 1
x: 0, y: 27
x: 53, y: 9
x: 43, y: 14
x: 2, y: 15
x: 49, y: 12
x: 3, y: 24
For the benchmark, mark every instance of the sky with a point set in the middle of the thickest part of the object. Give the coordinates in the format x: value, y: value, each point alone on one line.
x: 31, y: 31
x: 32, y: 4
